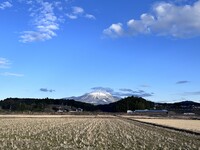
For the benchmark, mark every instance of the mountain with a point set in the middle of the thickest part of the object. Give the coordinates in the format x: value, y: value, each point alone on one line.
x: 53, y: 105
x: 96, y: 98
x: 182, y: 104
x: 128, y: 103
x: 187, y: 103
x: 180, y: 107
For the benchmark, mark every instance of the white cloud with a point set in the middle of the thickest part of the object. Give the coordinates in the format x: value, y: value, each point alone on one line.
x: 4, y: 63
x: 58, y: 5
x: 79, y: 12
x: 166, y: 19
x: 5, y: 5
x: 115, y: 30
x: 46, y: 18
x: 89, y: 16
x: 29, y: 2
x: 71, y: 16
x: 11, y: 74
x: 45, y: 24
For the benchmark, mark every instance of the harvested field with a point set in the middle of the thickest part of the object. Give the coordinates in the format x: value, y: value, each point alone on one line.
x: 193, y: 125
x: 89, y: 133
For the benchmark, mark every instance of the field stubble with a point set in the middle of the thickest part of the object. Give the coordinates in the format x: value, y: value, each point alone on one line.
x: 89, y: 133
x: 193, y: 125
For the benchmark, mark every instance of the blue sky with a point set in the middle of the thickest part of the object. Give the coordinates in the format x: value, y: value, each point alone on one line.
x: 67, y: 48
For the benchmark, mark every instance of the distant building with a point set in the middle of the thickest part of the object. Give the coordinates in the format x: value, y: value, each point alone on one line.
x: 60, y: 111
x: 79, y: 110
x: 76, y: 110
x: 129, y: 111
x: 146, y: 111
x: 189, y: 114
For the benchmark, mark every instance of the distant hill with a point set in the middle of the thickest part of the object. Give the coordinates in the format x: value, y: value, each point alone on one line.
x: 41, y: 105
x: 187, y: 103
x: 27, y: 104
x: 129, y: 103
x: 180, y: 107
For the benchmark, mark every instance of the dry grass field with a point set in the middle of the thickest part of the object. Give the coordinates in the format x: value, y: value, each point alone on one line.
x: 193, y: 125
x: 93, y: 133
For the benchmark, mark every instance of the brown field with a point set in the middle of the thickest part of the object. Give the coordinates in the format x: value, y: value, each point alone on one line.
x: 193, y: 125
x: 88, y: 132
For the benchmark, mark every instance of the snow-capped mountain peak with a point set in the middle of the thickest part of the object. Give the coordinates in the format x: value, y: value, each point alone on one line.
x: 100, y: 94
x: 97, y: 97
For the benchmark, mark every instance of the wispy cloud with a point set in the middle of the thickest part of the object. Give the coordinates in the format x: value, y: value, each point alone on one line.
x: 4, y: 63
x: 79, y: 12
x: 58, y: 5
x: 192, y: 93
x: 5, y: 5
x: 89, y: 16
x: 145, y: 86
x: 106, y: 89
x: 166, y: 19
x: 12, y: 74
x: 45, y: 23
x: 129, y: 92
x: 182, y: 82
x: 71, y: 16
x: 46, y: 17
x: 124, y: 92
x: 46, y: 90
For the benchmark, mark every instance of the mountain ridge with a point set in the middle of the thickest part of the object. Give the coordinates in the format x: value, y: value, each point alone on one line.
x: 128, y: 103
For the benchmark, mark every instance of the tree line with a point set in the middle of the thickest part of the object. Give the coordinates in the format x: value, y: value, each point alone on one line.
x: 45, y: 105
